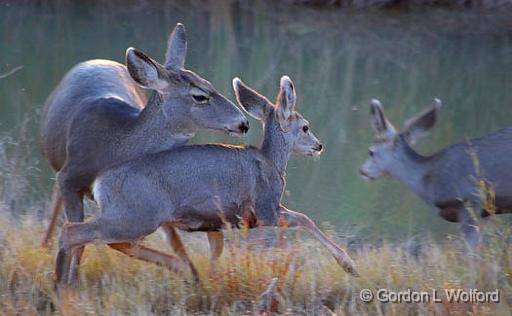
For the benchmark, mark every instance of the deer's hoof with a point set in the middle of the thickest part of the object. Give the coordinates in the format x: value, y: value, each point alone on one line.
x: 348, y: 265
x: 352, y: 270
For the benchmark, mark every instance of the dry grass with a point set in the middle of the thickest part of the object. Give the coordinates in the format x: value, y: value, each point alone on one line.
x: 310, y: 282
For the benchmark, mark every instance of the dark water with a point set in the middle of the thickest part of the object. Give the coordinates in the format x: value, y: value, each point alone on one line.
x: 338, y: 60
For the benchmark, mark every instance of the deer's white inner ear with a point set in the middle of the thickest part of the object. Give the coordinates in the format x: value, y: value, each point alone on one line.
x: 284, y: 111
x: 149, y: 77
x: 256, y: 105
x: 160, y: 84
x: 289, y: 94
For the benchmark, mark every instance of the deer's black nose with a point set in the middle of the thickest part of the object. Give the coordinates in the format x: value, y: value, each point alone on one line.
x: 319, y: 147
x: 244, y: 127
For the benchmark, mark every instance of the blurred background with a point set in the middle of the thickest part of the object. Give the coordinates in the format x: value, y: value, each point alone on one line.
x: 340, y: 54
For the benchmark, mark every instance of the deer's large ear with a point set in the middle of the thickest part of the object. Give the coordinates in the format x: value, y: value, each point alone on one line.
x: 420, y: 124
x: 176, y: 48
x: 381, y: 126
x: 144, y: 70
x: 286, y: 99
x: 251, y: 101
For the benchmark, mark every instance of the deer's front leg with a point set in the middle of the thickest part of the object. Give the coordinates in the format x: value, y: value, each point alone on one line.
x: 468, y: 225
x: 216, y: 242
x: 291, y: 218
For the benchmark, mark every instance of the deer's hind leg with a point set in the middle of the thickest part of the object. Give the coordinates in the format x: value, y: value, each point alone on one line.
x: 72, y: 196
x: 143, y: 253
x: 215, y: 240
x: 125, y: 230
x: 56, y: 206
x: 178, y: 247
x: 73, y: 235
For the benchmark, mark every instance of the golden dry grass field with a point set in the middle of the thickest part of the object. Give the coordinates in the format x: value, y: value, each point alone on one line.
x: 309, y: 280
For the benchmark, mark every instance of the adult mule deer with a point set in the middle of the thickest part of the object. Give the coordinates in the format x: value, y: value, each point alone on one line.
x: 98, y: 116
x: 201, y: 187
x: 449, y: 180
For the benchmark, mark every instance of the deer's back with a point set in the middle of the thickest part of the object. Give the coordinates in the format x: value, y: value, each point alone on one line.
x: 454, y: 171
x: 84, y: 85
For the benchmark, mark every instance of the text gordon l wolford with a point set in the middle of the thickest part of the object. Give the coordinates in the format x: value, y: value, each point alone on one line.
x: 438, y: 296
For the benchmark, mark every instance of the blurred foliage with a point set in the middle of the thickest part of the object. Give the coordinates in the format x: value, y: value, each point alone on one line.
x: 339, y: 60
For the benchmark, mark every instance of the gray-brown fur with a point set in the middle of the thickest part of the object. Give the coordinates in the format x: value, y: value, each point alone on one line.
x: 201, y: 187
x: 449, y: 180
x: 98, y: 116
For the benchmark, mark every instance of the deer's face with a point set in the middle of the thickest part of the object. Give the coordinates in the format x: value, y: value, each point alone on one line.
x: 282, y: 117
x: 382, y: 155
x: 194, y: 103
x: 304, y: 141
x: 190, y: 103
x: 388, y: 153
x: 295, y: 128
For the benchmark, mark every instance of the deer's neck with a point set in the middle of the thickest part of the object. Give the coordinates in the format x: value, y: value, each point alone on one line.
x: 412, y: 169
x: 275, y: 147
x: 153, y: 132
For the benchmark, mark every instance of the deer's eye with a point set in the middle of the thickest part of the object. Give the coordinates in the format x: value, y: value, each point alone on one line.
x: 305, y: 128
x: 371, y: 153
x: 200, y: 98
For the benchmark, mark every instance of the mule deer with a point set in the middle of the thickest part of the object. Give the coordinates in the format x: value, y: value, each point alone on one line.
x: 450, y: 180
x: 98, y: 116
x: 202, y: 187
